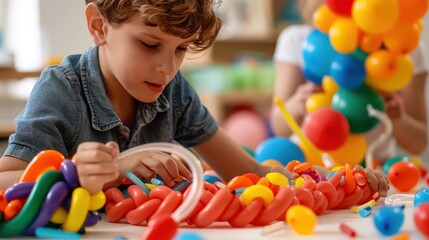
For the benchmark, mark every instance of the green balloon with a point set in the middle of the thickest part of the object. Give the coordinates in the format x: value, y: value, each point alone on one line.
x: 389, y: 162
x: 249, y: 151
x: 353, y: 105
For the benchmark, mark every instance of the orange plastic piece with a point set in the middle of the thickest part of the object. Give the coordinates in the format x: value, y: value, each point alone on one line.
x: 239, y: 182
x: 291, y: 165
x: 299, y: 168
x: 45, y: 160
x: 12, y: 209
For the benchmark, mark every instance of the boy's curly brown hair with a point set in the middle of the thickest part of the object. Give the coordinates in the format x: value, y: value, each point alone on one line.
x: 182, y: 18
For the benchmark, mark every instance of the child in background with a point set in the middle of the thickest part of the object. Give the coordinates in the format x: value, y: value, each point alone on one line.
x: 407, y: 108
x: 127, y: 91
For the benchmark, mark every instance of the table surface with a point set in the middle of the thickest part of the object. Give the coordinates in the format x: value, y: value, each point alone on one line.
x: 327, y: 228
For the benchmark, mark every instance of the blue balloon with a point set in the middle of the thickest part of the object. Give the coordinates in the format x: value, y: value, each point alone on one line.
x: 281, y: 149
x: 347, y: 71
x: 318, y: 55
x: 189, y: 236
x: 389, y: 219
x: 422, y: 196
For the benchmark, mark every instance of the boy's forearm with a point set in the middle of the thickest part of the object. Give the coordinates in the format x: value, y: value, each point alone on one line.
x: 8, y: 178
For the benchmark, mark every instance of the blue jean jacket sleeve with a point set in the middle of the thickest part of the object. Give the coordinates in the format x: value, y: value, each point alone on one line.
x: 44, y: 124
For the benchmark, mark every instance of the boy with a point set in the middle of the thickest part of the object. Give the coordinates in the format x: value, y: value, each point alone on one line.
x: 126, y: 91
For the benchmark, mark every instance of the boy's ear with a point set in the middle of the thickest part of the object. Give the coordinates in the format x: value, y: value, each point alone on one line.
x: 96, y: 24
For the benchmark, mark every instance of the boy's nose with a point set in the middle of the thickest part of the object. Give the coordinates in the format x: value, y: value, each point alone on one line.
x: 167, y: 64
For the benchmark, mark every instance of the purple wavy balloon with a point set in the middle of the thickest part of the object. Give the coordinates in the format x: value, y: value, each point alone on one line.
x: 19, y: 191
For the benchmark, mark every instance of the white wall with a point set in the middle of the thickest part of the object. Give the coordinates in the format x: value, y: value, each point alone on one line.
x: 64, y: 27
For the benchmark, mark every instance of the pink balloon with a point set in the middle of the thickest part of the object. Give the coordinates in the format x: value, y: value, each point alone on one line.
x: 246, y: 128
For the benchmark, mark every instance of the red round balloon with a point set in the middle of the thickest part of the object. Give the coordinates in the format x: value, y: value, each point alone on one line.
x: 404, y: 175
x: 341, y: 7
x: 421, y: 219
x: 327, y: 128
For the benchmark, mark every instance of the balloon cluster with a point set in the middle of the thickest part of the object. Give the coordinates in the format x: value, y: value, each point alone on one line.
x: 47, y: 200
x: 358, y: 49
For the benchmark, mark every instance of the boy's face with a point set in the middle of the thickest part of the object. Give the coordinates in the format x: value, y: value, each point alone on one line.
x: 143, y: 59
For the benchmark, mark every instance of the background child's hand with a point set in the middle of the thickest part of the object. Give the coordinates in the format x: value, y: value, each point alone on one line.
x: 296, y: 103
x: 148, y: 164
x: 95, y: 165
x: 394, y: 105
x: 377, y: 180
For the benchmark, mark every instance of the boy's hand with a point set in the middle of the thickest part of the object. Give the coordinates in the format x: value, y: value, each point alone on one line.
x: 95, y: 165
x: 148, y: 164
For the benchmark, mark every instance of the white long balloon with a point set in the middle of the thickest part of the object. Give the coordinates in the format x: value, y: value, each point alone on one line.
x: 194, y: 164
x: 383, y: 118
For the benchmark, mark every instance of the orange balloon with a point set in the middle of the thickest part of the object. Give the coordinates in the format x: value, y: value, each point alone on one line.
x: 403, y: 38
x: 399, y: 80
x: 370, y: 42
x: 343, y: 35
x: 323, y: 18
x: 351, y: 152
x: 404, y: 175
x: 419, y: 26
x: 381, y: 64
x: 412, y: 10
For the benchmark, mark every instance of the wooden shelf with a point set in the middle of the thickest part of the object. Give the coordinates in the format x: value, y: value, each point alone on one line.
x: 9, y: 73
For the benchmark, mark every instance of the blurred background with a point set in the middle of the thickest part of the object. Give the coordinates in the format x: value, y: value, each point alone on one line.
x: 236, y: 74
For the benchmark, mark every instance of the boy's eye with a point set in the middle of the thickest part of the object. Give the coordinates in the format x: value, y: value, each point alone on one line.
x: 184, y: 49
x: 153, y: 46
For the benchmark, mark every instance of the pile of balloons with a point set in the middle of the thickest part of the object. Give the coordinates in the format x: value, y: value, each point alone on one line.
x: 48, y: 201
x: 358, y: 49
x: 248, y: 199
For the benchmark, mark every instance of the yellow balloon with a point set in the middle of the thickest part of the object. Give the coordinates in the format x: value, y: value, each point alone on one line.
x: 301, y: 219
x: 344, y: 35
x: 352, y: 151
x: 375, y: 17
x: 257, y: 191
x: 317, y: 100
x: 323, y: 18
x: 399, y: 80
x: 272, y: 162
x: 329, y: 85
x: 310, y: 156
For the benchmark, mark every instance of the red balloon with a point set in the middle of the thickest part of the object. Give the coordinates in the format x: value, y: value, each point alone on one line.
x: 341, y: 7
x: 404, y: 175
x: 421, y: 218
x: 327, y: 128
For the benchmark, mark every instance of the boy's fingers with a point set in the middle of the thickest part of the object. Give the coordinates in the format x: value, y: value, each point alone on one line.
x: 95, y: 183
x: 114, y: 148
x: 99, y: 168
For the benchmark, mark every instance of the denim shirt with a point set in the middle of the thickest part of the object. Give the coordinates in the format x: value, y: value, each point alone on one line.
x: 69, y: 105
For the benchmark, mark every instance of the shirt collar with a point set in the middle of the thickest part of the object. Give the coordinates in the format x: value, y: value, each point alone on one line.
x: 103, y: 116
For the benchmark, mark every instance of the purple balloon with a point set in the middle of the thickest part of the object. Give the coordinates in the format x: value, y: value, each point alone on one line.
x: 70, y: 173
x: 19, y: 191
x: 55, y: 197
